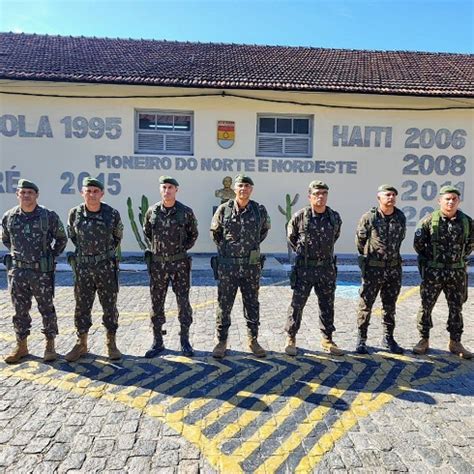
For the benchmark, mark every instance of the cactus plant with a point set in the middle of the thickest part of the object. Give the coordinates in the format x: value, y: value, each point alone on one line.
x: 287, y: 212
x: 141, y: 215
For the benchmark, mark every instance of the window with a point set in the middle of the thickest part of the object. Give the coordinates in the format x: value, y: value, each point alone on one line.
x: 284, y: 136
x: 164, y: 132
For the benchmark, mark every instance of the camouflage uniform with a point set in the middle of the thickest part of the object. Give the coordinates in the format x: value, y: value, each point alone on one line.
x: 96, y: 236
x: 236, y: 237
x: 171, y: 232
x: 440, y: 274
x: 23, y: 235
x: 378, y: 238
x: 312, y: 236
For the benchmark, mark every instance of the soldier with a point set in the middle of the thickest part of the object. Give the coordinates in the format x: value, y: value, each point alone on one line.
x: 171, y: 228
x: 34, y: 236
x: 379, y: 235
x: 238, y: 227
x: 312, y: 233
x: 443, y: 241
x: 96, y: 230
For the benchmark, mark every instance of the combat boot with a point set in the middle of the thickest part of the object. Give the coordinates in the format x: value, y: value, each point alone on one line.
x: 256, y: 348
x: 50, y: 353
x: 457, y: 348
x: 186, y: 348
x: 290, y: 348
x: 361, y: 347
x: 219, y: 351
x: 157, y: 345
x: 389, y: 343
x: 20, y: 351
x: 78, y: 350
x: 422, y: 346
x: 330, y: 346
x: 112, y: 350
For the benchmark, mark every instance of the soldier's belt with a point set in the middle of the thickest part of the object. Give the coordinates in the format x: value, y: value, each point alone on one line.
x: 384, y: 263
x: 169, y: 258
x: 95, y: 258
x: 310, y: 262
x: 236, y: 261
x: 445, y: 266
x: 26, y: 265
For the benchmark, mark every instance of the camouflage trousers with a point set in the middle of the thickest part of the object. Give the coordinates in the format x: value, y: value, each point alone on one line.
x: 231, y: 278
x: 178, y: 274
x: 388, y: 282
x: 454, y: 285
x: 24, y: 284
x: 323, y: 281
x: 90, y: 279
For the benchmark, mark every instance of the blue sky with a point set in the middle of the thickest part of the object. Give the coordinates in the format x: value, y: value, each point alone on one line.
x: 416, y: 25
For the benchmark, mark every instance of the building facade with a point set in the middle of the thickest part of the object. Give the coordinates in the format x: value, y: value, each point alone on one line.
x: 73, y: 111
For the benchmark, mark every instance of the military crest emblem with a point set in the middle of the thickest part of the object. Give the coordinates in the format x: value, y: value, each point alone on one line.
x: 225, y: 133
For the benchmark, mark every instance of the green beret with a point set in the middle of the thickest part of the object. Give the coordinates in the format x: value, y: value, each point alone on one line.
x: 25, y: 184
x: 383, y: 188
x: 318, y: 185
x: 89, y: 181
x: 168, y: 180
x: 241, y: 178
x: 449, y: 189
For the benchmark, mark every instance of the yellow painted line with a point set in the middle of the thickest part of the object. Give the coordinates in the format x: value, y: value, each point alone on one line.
x: 215, y: 457
x: 266, y: 430
x: 363, y: 405
x: 404, y: 296
x: 231, y: 429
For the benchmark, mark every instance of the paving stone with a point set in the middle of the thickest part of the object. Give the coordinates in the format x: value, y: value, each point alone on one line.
x: 8, y: 455
x: 350, y: 457
x: 144, y: 448
x: 102, y: 447
x: 57, y: 452
x: 22, y: 438
x: 118, y: 460
x: 125, y: 442
x: 72, y: 461
x: 93, y: 465
x: 166, y: 459
x: 460, y: 466
x: 138, y: 464
x: 188, y: 467
x: 37, y: 445
x: 46, y: 467
x: 49, y: 430
x: 431, y: 456
x: 6, y: 435
x: 82, y: 443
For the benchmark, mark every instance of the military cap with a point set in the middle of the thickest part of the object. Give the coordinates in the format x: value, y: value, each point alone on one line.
x: 25, y: 184
x: 242, y: 178
x: 449, y: 189
x: 318, y: 185
x: 168, y: 180
x: 383, y: 188
x: 89, y: 181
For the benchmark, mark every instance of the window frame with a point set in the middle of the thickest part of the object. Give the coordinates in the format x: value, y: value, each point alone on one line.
x: 285, y: 136
x: 187, y: 133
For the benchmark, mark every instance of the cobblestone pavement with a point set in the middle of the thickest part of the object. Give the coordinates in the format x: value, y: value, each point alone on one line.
x: 312, y: 413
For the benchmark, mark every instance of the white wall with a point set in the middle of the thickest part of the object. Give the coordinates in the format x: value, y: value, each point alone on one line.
x: 44, y: 159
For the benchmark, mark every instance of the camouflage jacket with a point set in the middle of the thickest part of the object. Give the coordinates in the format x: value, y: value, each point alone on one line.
x: 380, y: 238
x: 95, y: 233
x: 450, y: 241
x: 238, y: 235
x: 318, y: 233
x: 22, y: 233
x: 170, y: 230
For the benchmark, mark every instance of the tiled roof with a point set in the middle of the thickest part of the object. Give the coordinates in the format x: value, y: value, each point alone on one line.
x: 231, y: 66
